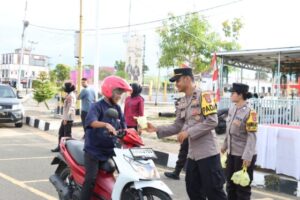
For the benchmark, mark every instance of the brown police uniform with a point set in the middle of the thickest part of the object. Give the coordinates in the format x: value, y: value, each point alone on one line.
x: 197, y: 116
x: 240, y: 143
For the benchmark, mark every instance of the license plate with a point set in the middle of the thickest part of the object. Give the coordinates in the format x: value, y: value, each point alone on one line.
x: 143, y: 153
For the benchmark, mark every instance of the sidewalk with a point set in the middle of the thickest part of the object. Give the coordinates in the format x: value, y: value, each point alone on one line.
x: 166, y: 149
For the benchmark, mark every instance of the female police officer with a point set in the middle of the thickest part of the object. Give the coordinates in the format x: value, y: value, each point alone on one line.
x: 240, y: 140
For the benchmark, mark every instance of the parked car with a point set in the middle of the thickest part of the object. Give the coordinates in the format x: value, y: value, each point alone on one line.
x: 11, y: 108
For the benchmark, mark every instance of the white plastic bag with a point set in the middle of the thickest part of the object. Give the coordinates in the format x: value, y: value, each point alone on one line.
x: 223, y: 160
x: 241, y: 177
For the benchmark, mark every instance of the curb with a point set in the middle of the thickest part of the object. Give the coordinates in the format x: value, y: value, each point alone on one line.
x: 267, y: 181
x: 40, y: 124
x: 37, y: 123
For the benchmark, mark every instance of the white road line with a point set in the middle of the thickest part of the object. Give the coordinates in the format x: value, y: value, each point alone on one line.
x: 2, y: 135
x: 27, y: 158
x: 24, y: 186
x: 28, y: 144
x: 36, y: 181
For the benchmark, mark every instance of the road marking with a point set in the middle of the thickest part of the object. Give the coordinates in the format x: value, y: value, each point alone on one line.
x: 14, y: 134
x: 28, y: 144
x: 24, y: 186
x: 27, y: 158
x: 270, y: 195
x: 36, y: 181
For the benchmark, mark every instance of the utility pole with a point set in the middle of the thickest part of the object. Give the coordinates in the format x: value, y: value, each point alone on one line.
x: 97, y: 56
x: 25, y: 25
x: 79, y: 54
x: 144, y: 49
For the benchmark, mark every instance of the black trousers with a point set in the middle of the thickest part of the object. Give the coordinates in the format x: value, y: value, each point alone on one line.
x: 238, y: 192
x: 91, y: 170
x: 65, y: 130
x: 205, y: 179
x: 83, y: 115
x: 182, y: 156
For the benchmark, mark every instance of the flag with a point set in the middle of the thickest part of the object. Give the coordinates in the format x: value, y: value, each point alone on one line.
x: 184, y: 65
x: 215, y: 77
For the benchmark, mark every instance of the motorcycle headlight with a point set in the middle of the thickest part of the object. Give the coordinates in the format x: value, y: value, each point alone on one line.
x: 145, y: 169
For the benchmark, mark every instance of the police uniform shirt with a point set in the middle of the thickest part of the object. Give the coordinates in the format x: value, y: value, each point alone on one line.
x: 98, y: 142
x: 200, y: 128
x: 239, y: 141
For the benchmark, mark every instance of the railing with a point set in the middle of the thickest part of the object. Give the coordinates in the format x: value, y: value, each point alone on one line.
x: 272, y: 111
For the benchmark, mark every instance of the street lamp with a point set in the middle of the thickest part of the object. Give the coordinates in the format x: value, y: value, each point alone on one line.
x: 25, y: 25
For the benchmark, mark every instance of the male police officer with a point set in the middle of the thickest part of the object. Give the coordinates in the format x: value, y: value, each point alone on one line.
x: 196, y: 119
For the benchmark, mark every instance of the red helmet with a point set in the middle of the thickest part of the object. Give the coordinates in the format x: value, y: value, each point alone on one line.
x: 113, y: 82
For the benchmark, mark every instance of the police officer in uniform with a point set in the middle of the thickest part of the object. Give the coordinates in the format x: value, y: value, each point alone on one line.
x: 240, y: 140
x: 196, y: 119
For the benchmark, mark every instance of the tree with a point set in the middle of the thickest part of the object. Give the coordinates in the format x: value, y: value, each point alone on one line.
x: 120, y: 67
x: 60, y: 74
x: 261, y: 76
x: 104, y: 73
x: 43, y: 89
x: 190, y: 39
x: 145, y: 68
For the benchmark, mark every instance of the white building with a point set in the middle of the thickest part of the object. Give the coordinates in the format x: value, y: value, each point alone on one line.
x: 32, y: 65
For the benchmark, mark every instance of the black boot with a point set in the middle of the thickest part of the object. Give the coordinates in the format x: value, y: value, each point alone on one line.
x: 56, y: 149
x: 173, y: 175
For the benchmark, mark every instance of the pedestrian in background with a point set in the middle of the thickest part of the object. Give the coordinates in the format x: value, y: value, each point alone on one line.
x: 196, y: 119
x: 65, y: 129
x: 87, y: 97
x: 240, y: 141
x: 134, y: 106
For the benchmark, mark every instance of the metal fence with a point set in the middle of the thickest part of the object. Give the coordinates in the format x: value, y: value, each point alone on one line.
x: 272, y: 111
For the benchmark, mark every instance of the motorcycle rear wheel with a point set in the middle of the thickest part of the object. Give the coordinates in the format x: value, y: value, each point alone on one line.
x: 147, y: 193
x: 64, y: 173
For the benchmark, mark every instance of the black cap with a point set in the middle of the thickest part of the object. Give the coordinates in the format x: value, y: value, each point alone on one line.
x: 181, y: 72
x: 239, y: 88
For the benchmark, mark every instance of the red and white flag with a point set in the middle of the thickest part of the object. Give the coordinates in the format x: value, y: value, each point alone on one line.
x: 215, y: 77
x: 184, y: 64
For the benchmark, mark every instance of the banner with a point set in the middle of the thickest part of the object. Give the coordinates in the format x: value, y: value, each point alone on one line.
x: 135, y: 58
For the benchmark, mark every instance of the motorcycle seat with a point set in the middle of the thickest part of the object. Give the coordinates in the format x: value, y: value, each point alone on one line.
x: 75, y: 147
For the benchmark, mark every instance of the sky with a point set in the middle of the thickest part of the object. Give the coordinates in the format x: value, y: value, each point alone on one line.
x: 267, y: 24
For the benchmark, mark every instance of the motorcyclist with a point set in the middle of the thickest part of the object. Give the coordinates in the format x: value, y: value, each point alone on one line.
x: 98, y: 144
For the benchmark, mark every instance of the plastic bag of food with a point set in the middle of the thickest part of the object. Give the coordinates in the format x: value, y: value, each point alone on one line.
x: 223, y: 160
x: 142, y: 122
x: 241, y: 177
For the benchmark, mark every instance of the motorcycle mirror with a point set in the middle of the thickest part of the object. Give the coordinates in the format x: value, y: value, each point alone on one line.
x: 112, y: 113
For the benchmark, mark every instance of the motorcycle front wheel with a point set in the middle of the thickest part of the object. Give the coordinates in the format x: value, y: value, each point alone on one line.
x: 146, y: 193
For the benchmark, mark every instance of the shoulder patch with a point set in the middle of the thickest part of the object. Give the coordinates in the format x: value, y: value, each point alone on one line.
x: 251, y: 124
x: 208, y: 104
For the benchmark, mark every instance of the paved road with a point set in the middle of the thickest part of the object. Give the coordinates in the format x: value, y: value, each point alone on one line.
x: 25, y: 167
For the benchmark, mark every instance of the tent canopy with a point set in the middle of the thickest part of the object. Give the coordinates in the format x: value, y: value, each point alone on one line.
x: 268, y: 60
